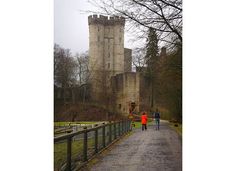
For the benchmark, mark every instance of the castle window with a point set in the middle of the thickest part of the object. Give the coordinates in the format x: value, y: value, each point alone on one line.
x: 119, y: 106
x: 98, y: 28
x: 108, y: 54
x: 108, y: 65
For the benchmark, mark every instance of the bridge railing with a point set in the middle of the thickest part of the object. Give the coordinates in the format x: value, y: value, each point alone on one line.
x: 74, y: 149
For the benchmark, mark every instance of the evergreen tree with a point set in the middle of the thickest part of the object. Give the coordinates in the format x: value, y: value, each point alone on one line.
x: 151, y: 62
x: 152, y: 49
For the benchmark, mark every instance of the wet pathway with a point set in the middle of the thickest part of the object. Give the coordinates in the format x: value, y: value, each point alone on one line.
x: 150, y: 150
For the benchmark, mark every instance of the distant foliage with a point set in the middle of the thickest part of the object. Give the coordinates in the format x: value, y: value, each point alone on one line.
x: 169, y: 83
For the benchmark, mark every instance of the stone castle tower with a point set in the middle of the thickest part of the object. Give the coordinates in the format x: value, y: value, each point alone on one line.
x: 106, y: 51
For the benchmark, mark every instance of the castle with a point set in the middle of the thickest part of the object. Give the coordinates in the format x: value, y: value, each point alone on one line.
x: 110, y: 66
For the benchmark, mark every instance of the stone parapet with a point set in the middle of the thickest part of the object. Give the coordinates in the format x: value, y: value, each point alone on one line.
x: 104, y: 20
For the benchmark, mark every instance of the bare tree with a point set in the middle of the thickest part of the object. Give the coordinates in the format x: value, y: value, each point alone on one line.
x: 64, y: 68
x: 164, y: 16
x: 83, y: 71
x: 138, y: 59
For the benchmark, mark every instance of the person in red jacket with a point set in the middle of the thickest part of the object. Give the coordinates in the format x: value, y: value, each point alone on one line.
x: 144, y: 119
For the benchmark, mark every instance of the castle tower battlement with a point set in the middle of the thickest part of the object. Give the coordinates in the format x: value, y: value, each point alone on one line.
x: 96, y: 19
x: 106, y: 50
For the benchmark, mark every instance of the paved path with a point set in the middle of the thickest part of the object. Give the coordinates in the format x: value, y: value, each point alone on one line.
x: 149, y: 150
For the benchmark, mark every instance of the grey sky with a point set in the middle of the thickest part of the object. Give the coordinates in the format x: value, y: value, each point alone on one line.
x: 71, y: 25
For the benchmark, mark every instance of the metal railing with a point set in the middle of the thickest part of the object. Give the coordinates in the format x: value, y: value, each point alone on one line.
x: 101, y: 136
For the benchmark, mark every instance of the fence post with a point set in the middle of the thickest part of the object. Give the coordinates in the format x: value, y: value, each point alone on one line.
x: 130, y: 126
x: 96, y: 139
x: 110, y: 133
x: 103, y: 135
x: 122, y: 125
x: 85, y: 144
x: 125, y: 126
x: 114, y: 130
x: 119, y: 128
x: 68, y: 165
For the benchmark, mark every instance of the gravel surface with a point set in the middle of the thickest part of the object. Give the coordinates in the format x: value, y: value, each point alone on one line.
x: 151, y: 150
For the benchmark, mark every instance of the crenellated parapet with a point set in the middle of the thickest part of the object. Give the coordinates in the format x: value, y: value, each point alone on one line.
x: 95, y: 19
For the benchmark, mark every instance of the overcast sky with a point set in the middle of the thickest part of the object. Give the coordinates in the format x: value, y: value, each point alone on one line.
x: 71, y: 25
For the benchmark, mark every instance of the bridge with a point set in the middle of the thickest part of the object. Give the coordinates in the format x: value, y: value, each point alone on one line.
x: 115, y: 146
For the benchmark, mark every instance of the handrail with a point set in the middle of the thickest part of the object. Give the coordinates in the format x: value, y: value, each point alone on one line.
x: 69, y: 135
x: 59, y: 138
x: 121, y: 126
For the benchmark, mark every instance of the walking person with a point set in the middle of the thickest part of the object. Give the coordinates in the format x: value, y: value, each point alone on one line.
x: 144, y: 119
x: 157, y: 119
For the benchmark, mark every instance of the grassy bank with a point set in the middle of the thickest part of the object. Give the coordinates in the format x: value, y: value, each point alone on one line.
x: 60, y: 151
x: 177, y: 127
x: 71, y: 123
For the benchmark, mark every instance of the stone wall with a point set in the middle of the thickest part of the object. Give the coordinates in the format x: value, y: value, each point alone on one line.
x: 126, y: 88
x: 106, y: 50
x: 128, y: 60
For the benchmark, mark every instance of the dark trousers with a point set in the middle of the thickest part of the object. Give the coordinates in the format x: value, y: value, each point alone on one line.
x: 144, y: 126
x: 157, y: 123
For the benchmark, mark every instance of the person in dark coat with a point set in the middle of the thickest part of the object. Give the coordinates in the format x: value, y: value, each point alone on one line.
x: 157, y: 119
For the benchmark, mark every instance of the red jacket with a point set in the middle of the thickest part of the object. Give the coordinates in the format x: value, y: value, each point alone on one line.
x: 144, y: 119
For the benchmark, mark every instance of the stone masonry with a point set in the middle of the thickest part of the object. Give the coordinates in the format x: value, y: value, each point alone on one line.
x: 110, y: 63
x: 106, y: 50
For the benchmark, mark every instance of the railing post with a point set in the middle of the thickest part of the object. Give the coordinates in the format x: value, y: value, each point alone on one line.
x: 85, y: 143
x: 114, y: 130
x: 68, y: 165
x: 110, y: 133
x: 121, y: 132
x: 96, y: 140
x: 103, y: 136
x: 129, y: 124
x: 125, y: 126
x: 119, y: 128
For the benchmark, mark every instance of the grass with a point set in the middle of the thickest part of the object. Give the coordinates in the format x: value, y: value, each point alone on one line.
x: 71, y: 123
x: 177, y: 129
x: 60, y: 151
